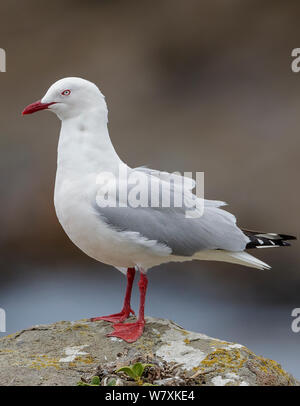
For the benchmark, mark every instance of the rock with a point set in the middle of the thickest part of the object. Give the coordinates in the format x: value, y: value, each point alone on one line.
x: 65, y: 353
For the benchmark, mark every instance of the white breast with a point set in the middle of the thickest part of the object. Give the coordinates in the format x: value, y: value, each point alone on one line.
x: 74, y: 205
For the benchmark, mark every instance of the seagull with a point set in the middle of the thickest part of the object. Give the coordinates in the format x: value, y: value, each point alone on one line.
x: 99, y: 217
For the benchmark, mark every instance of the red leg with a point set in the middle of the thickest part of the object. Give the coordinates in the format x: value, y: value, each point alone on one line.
x: 125, y: 312
x: 130, y: 332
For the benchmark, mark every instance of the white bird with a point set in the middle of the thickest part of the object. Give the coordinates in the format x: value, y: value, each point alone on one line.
x: 126, y: 237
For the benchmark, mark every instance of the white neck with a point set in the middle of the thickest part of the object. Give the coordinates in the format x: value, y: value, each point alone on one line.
x: 85, y: 147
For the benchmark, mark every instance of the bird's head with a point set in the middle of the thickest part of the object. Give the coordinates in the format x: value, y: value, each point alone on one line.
x: 70, y: 97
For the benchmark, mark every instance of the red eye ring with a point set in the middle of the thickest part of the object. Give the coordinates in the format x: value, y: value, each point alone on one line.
x: 66, y: 92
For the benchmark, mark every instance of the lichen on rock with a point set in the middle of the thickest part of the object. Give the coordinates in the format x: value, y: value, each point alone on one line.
x: 65, y: 353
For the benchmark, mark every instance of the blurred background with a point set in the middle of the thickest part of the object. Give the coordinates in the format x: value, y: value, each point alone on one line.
x: 191, y: 85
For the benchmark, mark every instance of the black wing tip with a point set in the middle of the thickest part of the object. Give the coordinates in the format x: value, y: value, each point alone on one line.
x: 265, y: 240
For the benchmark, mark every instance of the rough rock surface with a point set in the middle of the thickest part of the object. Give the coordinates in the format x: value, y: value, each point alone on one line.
x: 66, y: 352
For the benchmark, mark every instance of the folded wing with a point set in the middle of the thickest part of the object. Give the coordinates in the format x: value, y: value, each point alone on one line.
x: 214, y: 229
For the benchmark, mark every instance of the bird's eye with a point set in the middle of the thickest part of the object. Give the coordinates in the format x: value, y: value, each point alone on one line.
x: 66, y: 92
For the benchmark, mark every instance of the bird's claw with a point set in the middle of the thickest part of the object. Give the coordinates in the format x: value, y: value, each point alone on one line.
x: 115, y: 318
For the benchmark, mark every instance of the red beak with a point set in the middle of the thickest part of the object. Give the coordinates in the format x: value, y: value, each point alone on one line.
x: 38, y: 105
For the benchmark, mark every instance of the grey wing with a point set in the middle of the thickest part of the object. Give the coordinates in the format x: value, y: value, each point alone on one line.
x: 215, y: 229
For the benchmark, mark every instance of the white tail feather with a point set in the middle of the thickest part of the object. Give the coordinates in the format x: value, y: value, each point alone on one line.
x: 242, y: 258
x: 246, y: 259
